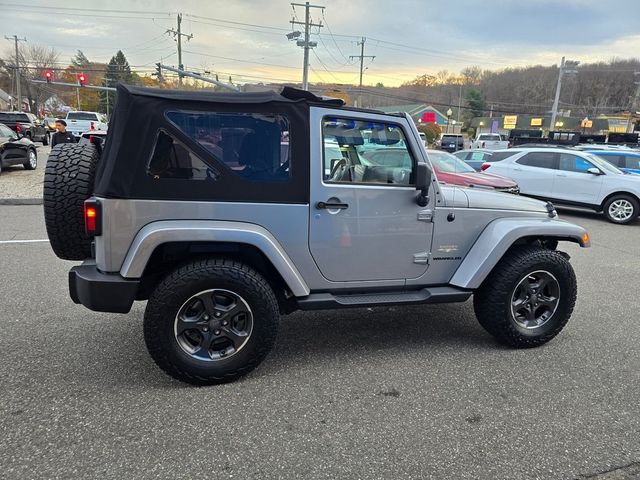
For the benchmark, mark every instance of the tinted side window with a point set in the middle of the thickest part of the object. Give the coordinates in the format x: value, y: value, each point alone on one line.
x: 497, y: 156
x: 252, y: 146
x: 573, y: 163
x: 630, y: 162
x: 537, y: 159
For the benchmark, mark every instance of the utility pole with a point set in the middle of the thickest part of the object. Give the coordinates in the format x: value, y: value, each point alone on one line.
x: 306, y: 44
x: 362, y: 56
x: 178, y: 35
x: 18, y: 86
x: 566, y: 67
x: 634, y: 100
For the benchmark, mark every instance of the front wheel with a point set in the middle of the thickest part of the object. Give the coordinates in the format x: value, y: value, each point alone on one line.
x: 528, y: 298
x: 621, y: 209
x: 211, y: 321
x: 32, y: 160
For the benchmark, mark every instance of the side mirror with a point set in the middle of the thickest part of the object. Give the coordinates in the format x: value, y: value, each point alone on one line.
x: 423, y: 180
x: 594, y: 171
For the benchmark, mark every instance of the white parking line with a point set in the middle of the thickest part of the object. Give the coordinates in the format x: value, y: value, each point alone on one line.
x: 24, y: 241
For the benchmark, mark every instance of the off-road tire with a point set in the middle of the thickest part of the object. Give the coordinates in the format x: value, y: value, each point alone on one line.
x: 492, y: 301
x: 626, y: 198
x: 68, y: 182
x: 177, y: 287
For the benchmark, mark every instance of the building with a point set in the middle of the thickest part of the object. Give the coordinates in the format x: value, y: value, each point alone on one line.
x: 423, y: 113
x: 505, y: 123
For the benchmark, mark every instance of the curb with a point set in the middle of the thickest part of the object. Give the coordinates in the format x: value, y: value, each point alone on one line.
x: 20, y: 201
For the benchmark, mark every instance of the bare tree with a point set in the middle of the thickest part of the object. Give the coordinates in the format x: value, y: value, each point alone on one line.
x: 33, y: 60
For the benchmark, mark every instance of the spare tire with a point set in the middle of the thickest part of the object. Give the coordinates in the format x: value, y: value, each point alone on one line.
x: 68, y: 182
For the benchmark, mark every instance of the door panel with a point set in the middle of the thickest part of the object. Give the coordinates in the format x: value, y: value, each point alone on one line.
x: 535, y: 173
x: 574, y: 183
x: 378, y: 233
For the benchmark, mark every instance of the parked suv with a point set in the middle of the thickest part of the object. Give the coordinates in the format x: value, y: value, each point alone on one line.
x: 27, y: 125
x: 571, y: 177
x: 195, y: 206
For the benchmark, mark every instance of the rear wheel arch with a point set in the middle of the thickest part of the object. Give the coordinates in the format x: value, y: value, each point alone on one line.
x: 611, y: 195
x: 169, y: 256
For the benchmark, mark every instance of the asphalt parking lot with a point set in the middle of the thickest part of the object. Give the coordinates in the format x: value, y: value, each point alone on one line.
x: 18, y: 183
x: 415, y: 392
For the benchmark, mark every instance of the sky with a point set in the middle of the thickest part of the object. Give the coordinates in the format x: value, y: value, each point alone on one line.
x: 246, y: 38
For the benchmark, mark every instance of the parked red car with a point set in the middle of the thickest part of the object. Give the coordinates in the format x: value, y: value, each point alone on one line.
x: 448, y: 169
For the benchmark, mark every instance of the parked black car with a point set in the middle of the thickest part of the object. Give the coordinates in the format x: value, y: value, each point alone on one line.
x: 26, y: 124
x: 16, y: 151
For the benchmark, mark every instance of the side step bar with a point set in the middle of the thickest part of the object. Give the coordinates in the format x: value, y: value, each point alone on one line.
x: 322, y: 301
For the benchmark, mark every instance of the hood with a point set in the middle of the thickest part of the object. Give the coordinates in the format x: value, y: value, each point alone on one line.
x: 503, y: 201
x: 485, y: 180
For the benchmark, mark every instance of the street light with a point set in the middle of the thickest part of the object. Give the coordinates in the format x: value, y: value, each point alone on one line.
x: 449, y: 113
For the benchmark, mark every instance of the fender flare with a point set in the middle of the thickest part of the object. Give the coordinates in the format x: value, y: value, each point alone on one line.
x: 500, y: 235
x: 157, y: 233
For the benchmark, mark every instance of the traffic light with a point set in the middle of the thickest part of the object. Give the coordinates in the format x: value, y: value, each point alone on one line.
x: 82, y: 78
x: 48, y: 75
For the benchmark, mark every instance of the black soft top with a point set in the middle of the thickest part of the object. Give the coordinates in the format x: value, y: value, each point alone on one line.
x: 141, y: 113
x: 287, y: 95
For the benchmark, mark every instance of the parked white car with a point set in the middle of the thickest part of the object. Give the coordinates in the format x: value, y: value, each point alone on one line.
x: 571, y: 177
x: 81, y: 122
x: 490, y: 141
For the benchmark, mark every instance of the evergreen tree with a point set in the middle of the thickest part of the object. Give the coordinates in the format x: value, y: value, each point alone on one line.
x: 118, y: 71
x: 476, y: 102
x: 80, y: 60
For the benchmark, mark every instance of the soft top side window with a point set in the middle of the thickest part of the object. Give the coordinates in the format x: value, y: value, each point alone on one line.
x: 251, y: 146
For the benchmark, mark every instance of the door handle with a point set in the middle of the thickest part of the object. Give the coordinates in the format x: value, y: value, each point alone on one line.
x: 561, y: 175
x: 331, y: 206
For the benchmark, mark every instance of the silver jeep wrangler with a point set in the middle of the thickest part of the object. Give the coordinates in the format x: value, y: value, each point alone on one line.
x: 226, y: 210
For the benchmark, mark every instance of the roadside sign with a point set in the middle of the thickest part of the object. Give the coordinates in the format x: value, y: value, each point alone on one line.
x: 510, y: 121
x: 536, y: 122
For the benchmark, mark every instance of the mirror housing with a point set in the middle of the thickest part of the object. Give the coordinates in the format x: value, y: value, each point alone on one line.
x: 423, y: 180
x: 594, y: 171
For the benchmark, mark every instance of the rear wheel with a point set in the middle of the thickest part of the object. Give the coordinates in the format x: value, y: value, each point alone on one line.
x: 211, y: 321
x: 528, y: 298
x: 621, y: 209
x: 32, y: 160
x: 46, y: 139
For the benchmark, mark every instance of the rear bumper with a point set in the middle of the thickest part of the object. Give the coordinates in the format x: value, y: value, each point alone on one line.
x: 101, y: 292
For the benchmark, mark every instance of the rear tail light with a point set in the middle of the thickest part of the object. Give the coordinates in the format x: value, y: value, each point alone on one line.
x: 484, y: 166
x: 18, y: 128
x: 92, y: 126
x: 92, y: 217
